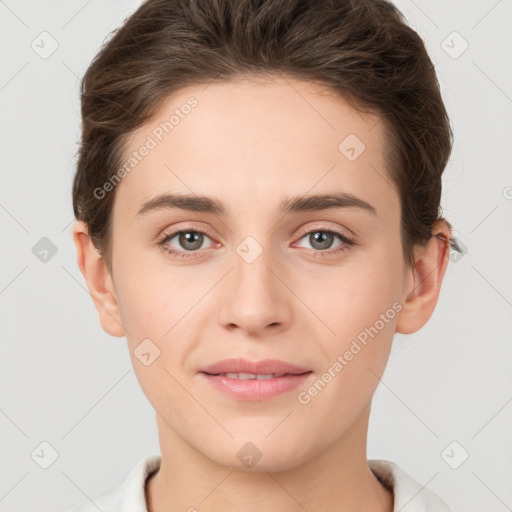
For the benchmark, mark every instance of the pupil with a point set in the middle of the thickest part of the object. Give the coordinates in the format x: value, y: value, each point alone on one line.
x: 324, y: 239
x: 191, y: 237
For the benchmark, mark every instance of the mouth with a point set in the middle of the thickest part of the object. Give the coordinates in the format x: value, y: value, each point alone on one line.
x: 244, y: 369
x: 255, y: 386
x: 253, y: 376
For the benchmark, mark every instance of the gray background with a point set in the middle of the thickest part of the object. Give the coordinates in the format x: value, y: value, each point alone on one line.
x: 66, y: 382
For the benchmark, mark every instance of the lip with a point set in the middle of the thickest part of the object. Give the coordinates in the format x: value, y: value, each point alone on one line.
x: 254, y: 389
x: 266, y: 366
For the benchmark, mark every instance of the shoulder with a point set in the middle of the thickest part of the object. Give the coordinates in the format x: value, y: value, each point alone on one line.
x: 129, y: 496
x: 410, y: 495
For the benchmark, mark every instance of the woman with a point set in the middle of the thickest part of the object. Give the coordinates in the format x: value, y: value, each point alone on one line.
x: 258, y: 212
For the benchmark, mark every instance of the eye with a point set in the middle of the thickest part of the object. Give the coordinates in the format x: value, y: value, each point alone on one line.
x: 321, y: 240
x: 190, y: 240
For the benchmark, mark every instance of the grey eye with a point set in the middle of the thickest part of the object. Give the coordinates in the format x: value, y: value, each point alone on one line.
x: 191, y: 240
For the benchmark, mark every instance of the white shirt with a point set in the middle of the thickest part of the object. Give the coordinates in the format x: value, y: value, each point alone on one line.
x: 410, y: 495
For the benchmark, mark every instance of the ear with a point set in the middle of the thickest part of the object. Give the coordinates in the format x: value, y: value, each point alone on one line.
x: 98, y: 279
x: 424, y: 279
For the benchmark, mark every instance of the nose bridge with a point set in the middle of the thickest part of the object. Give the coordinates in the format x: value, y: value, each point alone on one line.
x: 252, y: 261
x: 256, y: 297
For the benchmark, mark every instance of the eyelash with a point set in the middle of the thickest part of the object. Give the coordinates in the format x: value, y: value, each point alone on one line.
x: 347, y: 242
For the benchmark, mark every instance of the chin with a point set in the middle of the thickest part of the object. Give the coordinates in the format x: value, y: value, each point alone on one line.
x: 258, y: 455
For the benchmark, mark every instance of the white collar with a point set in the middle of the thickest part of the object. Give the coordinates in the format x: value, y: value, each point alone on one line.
x: 409, y: 495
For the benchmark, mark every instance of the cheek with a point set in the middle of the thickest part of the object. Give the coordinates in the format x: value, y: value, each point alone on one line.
x: 161, y: 311
x: 360, y: 307
x: 152, y: 300
x: 355, y: 356
x: 352, y: 296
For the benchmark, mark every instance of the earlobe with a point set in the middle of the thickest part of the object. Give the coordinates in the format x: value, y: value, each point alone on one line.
x: 98, y: 279
x: 424, y: 281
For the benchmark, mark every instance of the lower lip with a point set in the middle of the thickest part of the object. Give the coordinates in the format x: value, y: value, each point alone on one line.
x: 254, y: 389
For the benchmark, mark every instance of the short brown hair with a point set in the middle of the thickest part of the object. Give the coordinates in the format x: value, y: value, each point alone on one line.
x: 362, y: 50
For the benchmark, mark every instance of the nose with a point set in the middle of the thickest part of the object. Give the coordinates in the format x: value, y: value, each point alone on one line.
x: 254, y: 296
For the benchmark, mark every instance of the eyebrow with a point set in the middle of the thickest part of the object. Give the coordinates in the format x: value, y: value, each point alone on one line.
x: 297, y: 204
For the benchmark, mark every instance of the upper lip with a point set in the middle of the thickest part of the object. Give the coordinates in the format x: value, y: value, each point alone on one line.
x: 240, y: 365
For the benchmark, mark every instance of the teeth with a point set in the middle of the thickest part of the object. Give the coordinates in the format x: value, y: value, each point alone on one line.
x: 249, y: 376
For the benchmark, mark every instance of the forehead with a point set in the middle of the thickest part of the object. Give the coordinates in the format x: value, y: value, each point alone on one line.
x: 249, y: 141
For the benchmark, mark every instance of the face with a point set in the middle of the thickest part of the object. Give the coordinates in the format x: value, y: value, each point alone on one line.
x: 258, y: 271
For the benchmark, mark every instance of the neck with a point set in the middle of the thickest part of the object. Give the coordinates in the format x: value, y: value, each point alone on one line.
x: 336, y: 478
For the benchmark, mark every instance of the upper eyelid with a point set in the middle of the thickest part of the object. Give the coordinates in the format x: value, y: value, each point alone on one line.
x: 204, y: 231
x: 301, y: 234
x: 169, y: 236
x: 323, y: 227
x: 319, y: 225
x: 174, y: 231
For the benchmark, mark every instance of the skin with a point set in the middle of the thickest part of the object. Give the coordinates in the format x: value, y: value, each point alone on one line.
x: 251, y: 144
